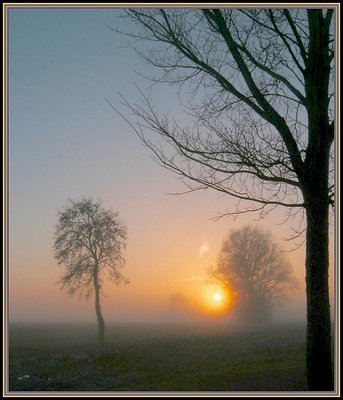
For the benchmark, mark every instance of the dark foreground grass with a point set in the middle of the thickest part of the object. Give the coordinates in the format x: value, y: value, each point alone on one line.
x: 167, y: 357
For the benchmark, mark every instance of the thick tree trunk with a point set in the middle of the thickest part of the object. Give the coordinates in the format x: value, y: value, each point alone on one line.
x: 316, y: 195
x: 100, y: 319
x: 318, y: 346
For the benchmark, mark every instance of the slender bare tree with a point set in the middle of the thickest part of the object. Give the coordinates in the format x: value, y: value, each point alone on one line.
x: 254, y: 270
x: 89, y: 241
x: 262, y: 101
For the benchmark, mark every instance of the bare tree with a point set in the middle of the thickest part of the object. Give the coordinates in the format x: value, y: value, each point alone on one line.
x: 253, y: 267
x: 261, y: 84
x: 89, y: 241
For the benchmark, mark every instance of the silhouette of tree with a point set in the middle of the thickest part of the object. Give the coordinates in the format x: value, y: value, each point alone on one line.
x: 261, y: 92
x: 254, y: 268
x: 89, y: 241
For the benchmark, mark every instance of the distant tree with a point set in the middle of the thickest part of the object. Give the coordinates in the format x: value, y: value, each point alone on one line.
x: 179, y: 305
x: 254, y: 268
x: 260, y: 85
x: 89, y: 241
x: 178, y: 300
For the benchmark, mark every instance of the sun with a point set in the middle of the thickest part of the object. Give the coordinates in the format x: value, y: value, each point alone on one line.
x: 217, y: 296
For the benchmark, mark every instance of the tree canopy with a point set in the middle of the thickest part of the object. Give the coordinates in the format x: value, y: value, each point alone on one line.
x: 251, y: 79
x: 88, y: 235
x: 254, y: 270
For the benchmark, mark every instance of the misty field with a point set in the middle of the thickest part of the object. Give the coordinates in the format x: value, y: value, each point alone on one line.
x: 157, y: 357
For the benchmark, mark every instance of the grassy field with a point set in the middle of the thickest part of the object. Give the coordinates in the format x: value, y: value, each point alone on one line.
x: 156, y: 357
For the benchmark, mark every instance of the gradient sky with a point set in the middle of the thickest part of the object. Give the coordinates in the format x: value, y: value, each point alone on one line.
x: 65, y: 141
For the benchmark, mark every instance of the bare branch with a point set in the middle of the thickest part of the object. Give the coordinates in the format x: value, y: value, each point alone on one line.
x: 88, y: 239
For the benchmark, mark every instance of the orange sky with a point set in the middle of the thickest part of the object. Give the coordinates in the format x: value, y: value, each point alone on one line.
x: 164, y: 253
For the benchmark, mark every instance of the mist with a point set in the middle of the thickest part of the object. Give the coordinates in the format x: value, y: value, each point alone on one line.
x: 175, y: 309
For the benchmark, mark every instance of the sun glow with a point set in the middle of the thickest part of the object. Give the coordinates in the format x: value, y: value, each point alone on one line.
x: 211, y: 299
x: 217, y: 296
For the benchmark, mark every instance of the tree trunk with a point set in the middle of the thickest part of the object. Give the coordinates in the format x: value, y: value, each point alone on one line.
x: 316, y: 196
x: 101, y: 322
x: 318, y: 346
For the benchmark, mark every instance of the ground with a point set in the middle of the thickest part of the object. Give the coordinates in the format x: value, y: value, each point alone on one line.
x: 156, y: 357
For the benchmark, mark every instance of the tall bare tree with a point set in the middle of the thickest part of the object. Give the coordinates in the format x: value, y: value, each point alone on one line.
x: 253, y: 268
x: 262, y: 101
x: 89, y: 241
